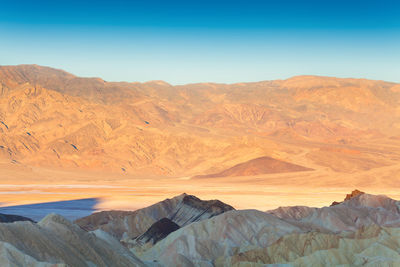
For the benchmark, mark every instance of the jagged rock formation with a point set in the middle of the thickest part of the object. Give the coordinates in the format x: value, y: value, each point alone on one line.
x: 368, y: 246
x: 360, y: 231
x: 358, y: 211
x: 354, y: 193
x: 180, y: 210
x: 349, y: 196
x: 129, y: 224
x: 8, y: 218
x: 54, y: 241
x: 202, y: 242
x: 192, y: 209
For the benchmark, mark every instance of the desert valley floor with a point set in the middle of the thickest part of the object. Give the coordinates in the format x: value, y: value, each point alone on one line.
x: 129, y: 192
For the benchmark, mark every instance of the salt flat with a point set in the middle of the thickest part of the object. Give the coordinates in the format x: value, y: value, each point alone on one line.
x: 70, y: 209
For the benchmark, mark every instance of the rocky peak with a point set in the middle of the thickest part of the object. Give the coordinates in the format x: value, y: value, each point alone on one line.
x: 197, y: 203
x: 193, y: 209
x: 353, y: 194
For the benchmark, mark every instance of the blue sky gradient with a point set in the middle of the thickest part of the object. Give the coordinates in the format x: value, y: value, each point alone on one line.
x: 198, y: 41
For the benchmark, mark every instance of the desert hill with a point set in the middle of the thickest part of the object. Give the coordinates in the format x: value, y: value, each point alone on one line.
x: 50, y: 118
x: 257, y: 166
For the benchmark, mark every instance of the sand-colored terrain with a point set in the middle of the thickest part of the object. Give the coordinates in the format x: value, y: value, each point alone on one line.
x: 128, y: 192
x: 132, y: 144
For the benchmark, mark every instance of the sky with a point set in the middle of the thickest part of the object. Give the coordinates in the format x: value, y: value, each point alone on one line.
x: 204, y: 41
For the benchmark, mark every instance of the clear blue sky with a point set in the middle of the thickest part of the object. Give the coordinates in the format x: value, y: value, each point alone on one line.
x: 199, y: 41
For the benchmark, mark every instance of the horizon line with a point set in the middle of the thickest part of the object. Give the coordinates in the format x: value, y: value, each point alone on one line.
x: 199, y: 82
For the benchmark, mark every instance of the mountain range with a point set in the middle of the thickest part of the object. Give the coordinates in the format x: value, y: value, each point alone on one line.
x: 51, y: 118
x: 362, y: 230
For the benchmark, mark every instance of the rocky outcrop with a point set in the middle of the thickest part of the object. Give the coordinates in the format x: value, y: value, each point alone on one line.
x: 369, y: 246
x: 125, y: 225
x: 354, y: 193
x: 55, y: 240
x: 358, y: 211
x: 202, y: 242
x: 361, y: 230
x: 192, y: 209
x: 181, y: 210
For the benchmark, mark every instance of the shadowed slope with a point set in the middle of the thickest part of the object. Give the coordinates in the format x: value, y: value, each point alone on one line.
x: 129, y: 224
x: 157, y: 231
x: 7, y: 218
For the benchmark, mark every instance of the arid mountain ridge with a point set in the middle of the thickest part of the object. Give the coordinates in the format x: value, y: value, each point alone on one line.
x: 51, y: 118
